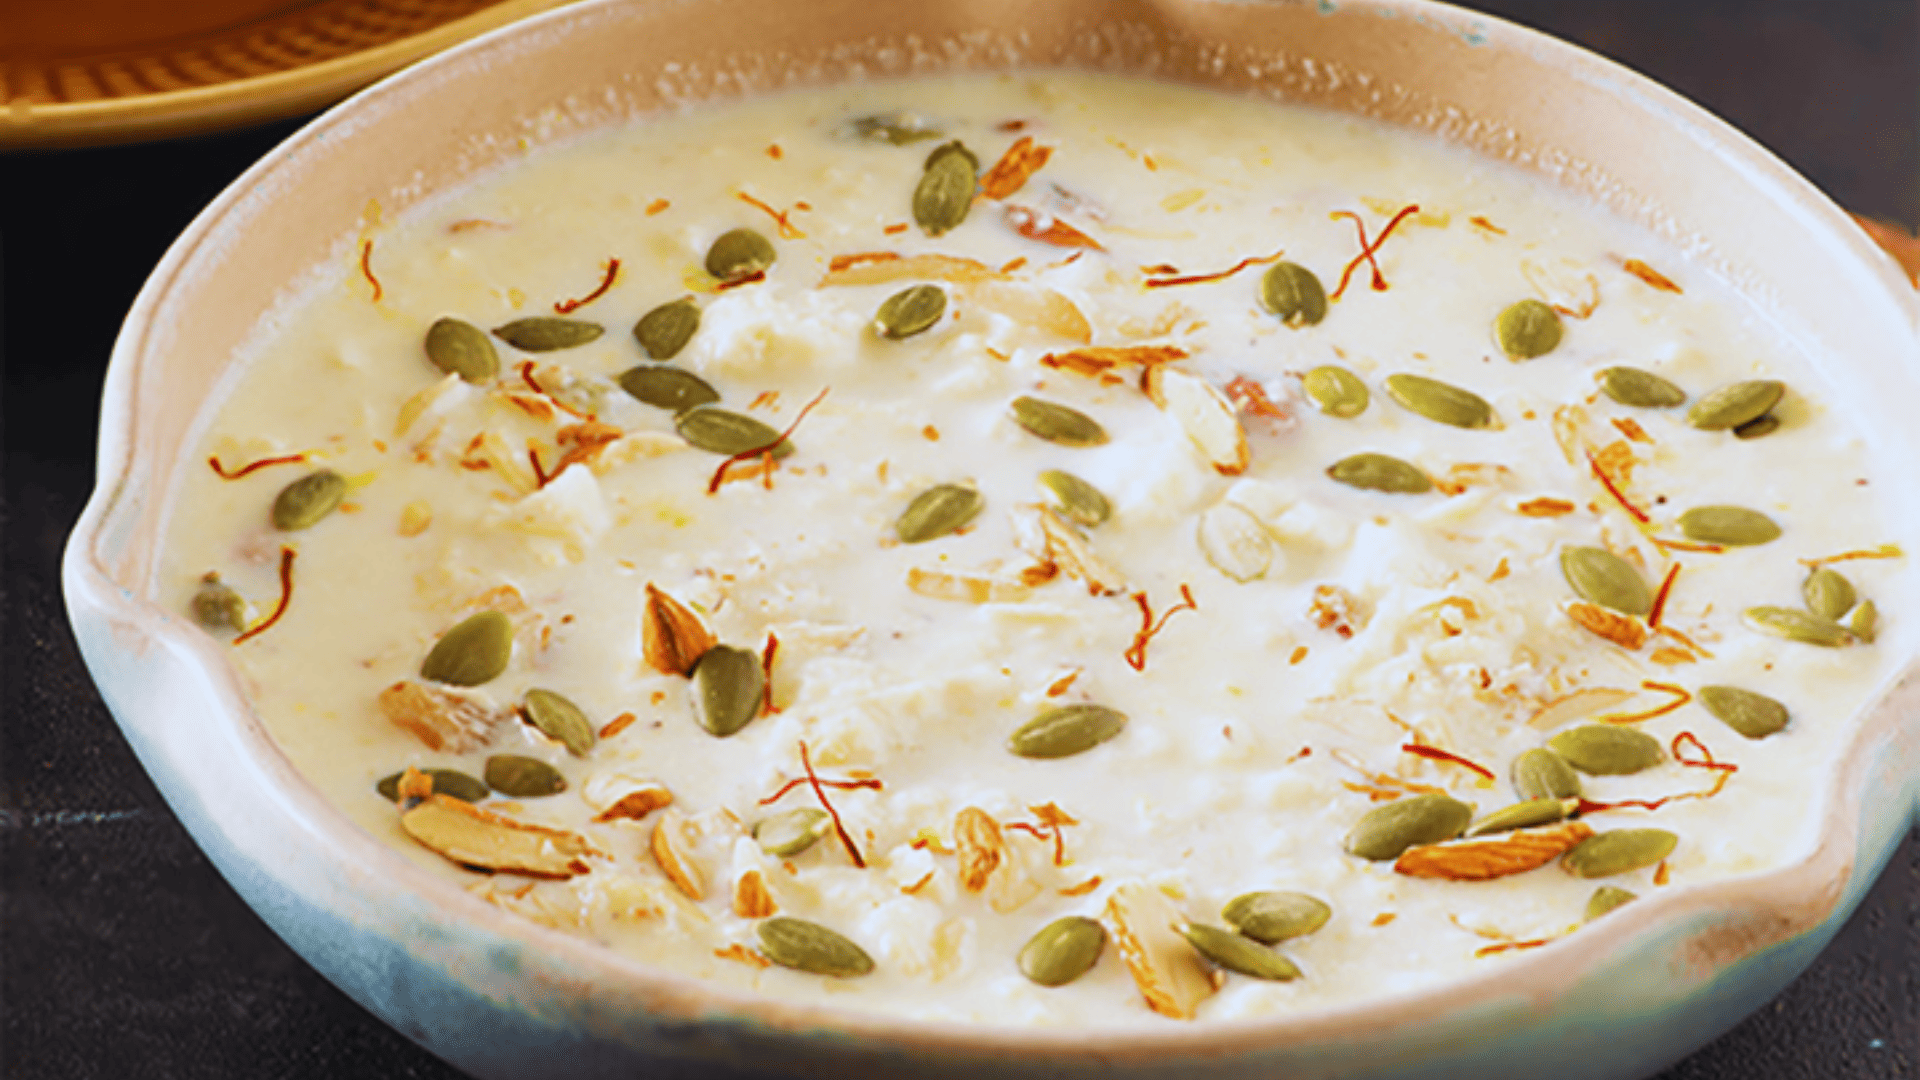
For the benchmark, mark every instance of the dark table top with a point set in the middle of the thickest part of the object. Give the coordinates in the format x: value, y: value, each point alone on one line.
x: 123, y: 953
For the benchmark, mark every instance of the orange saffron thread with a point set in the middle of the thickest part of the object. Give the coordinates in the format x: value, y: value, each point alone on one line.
x: 1481, y: 222
x: 1052, y: 820
x: 1884, y: 551
x: 617, y: 725
x: 720, y: 474
x: 1684, y: 640
x: 1367, y: 250
x: 568, y: 307
x: 286, y: 597
x: 1649, y: 275
x: 1661, y: 873
x: 1504, y: 946
x: 820, y: 793
x: 1660, y: 598
x: 767, y: 707
x: 1014, y: 168
x: 1685, y: 545
x: 896, y: 229
x: 1607, y: 482
x: 366, y: 268
x: 1136, y: 654
x: 843, y: 785
x: 1048, y: 229
x: 657, y: 206
x: 757, y: 275
x: 787, y: 229
x: 1083, y: 888
x: 540, y: 477
x: 1723, y: 769
x: 526, y: 376
x: 1680, y: 697
x: 252, y: 466
x: 1194, y: 279
x: 1434, y: 753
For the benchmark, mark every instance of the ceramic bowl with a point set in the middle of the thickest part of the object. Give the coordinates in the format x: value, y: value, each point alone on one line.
x: 503, y: 997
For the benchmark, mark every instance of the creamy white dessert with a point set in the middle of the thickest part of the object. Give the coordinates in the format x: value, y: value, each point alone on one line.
x: 1296, y: 641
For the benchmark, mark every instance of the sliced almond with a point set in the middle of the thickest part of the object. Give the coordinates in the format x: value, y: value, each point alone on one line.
x: 1622, y: 630
x: 415, y: 517
x: 672, y: 848
x: 1483, y: 860
x: 412, y: 409
x: 491, y: 450
x: 1582, y: 702
x: 635, y: 446
x: 1205, y: 414
x: 1565, y: 287
x: 672, y: 638
x: 442, y: 717
x: 981, y: 847
x: 1170, y: 974
x: 487, y: 841
x: 1235, y: 542
x: 965, y: 588
x: 620, y: 798
x: 751, y: 900
x: 1032, y: 306
x: 1070, y: 551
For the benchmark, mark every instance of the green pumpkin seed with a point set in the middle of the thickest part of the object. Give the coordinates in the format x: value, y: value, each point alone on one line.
x: 1440, y: 402
x: 721, y: 431
x: 519, y: 777
x: 1336, y: 391
x: 938, y: 511
x: 896, y: 128
x: 1865, y: 621
x: 1238, y: 954
x: 668, y: 387
x: 1078, y: 500
x: 1542, y: 774
x: 1732, y: 526
x: 1272, y: 917
x: 1527, y: 329
x: 1606, y: 750
x: 1525, y: 815
x: 1828, y: 593
x: 1058, y: 424
x: 728, y: 687
x: 1609, y: 853
x: 449, y: 782
x: 786, y: 835
x: 1795, y: 625
x: 910, y: 311
x: 463, y: 349
x: 217, y: 607
x: 1605, y: 899
x: 1292, y: 292
x: 1066, y: 730
x: 1757, y: 428
x: 812, y: 948
x: 1740, y: 403
x: 1601, y: 577
x: 1754, y: 715
x: 738, y: 254
x: 473, y: 652
x: 665, y: 330
x: 559, y: 719
x: 1386, y: 832
x: 546, y: 333
x: 1378, y: 472
x: 301, y: 504
x: 945, y: 192
x: 1062, y: 951
x: 1640, y: 389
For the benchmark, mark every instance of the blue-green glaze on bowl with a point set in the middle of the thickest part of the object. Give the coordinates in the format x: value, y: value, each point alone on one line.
x: 503, y: 997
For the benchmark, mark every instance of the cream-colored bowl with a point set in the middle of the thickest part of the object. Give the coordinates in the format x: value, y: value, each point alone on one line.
x: 506, y: 998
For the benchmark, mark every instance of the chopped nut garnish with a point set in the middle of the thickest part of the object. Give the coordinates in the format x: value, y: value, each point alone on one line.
x: 1545, y: 506
x: 672, y: 638
x: 1338, y: 610
x: 751, y: 900
x: 444, y: 718
x: 490, y: 842
x: 1483, y: 860
x: 672, y: 849
x: 1171, y: 976
x: 744, y: 955
x: 636, y: 804
x: 966, y: 588
x: 1010, y: 173
x: 1622, y: 630
x: 1069, y: 550
x: 981, y: 847
x: 415, y: 517
x: 1204, y: 413
x: 1579, y: 703
x: 1097, y: 361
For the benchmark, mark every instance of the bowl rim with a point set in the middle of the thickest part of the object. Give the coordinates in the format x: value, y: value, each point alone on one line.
x: 1545, y: 974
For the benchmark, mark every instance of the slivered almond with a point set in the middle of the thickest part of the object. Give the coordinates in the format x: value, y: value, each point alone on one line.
x: 1170, y: 974
x: 444, y: 718
x: 1069, y: 550
x: 965, y: 588
x: 1205, y: 414
x: 1582, y: 702
x: 751, y: 900
x: 673, y: 849
x: 672, y: 638
x: 487, y: 841
x: 1483, y: 860
x: 1032, y: 306
x: 981, y: 847
x: 636, y: 804
x: 1626, y: 632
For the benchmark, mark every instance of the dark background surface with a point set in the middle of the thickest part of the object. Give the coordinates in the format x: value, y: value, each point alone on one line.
x: 122, y: 952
